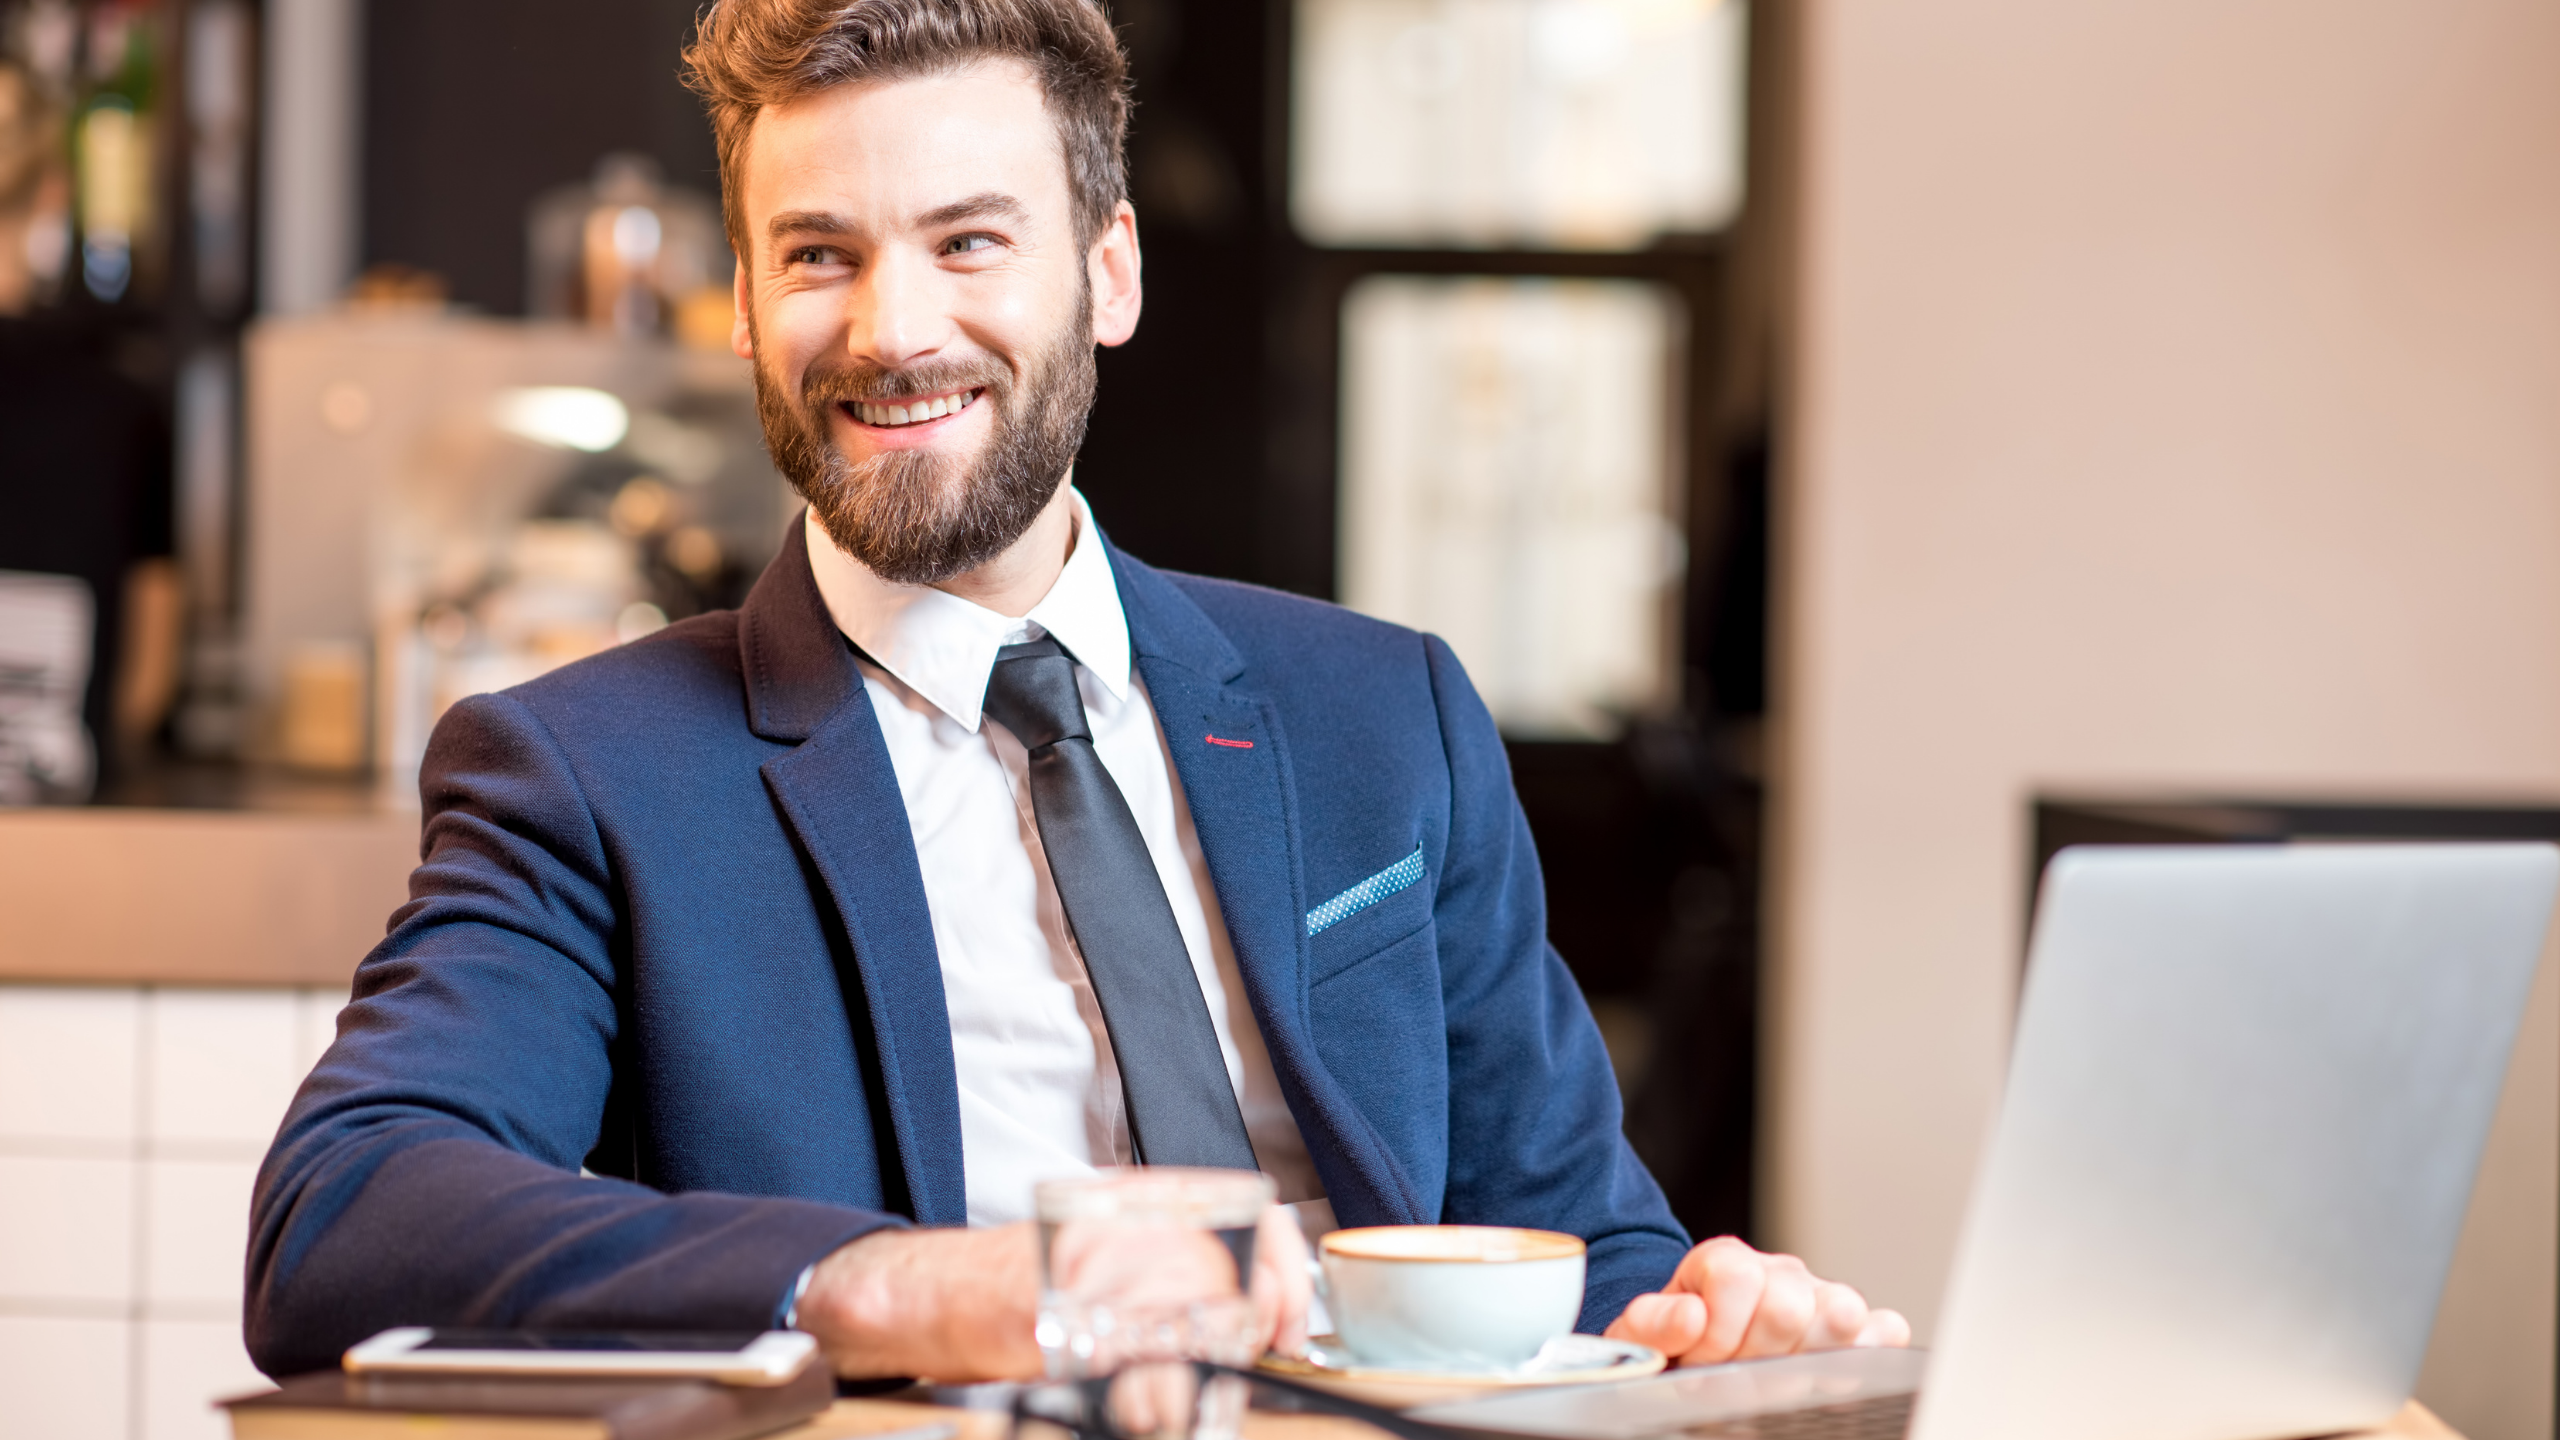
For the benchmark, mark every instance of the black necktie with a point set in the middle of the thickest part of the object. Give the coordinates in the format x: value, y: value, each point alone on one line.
x: 1182, y: 1110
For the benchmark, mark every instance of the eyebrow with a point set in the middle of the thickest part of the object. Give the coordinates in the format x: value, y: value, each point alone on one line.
x: 803, y: 222
x: 986, y: 205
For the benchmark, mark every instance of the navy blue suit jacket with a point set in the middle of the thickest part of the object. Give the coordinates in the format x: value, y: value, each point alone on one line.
x: 670, y: 926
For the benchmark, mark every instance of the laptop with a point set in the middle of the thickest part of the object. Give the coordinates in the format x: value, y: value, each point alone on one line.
x: 2248, y: 1095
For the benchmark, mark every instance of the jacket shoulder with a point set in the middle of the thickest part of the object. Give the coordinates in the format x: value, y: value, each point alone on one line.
x: 1269, y: 626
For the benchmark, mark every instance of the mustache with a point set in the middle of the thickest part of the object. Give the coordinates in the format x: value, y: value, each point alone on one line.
x: 841, y: 384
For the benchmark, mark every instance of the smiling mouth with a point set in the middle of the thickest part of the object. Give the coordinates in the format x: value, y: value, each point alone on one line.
x: 912, y: 412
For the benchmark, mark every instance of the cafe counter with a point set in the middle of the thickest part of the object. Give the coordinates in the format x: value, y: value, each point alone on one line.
x: 229, y: 880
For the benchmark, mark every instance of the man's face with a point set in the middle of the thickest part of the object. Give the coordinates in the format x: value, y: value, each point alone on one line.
x: 920, y: 314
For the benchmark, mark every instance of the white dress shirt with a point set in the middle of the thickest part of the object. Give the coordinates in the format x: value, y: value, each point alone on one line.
x: 1039, y: 1091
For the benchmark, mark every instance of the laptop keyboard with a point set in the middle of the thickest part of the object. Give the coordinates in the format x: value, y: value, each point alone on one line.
x: 1879, y: 1417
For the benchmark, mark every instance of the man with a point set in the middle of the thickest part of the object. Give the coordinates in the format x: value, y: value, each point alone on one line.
x: 969, y: 851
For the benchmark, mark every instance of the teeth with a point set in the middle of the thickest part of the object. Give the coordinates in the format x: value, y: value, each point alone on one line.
x: 921, y: 411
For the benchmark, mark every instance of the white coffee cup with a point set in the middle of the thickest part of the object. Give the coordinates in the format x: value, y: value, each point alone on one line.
x: 1450, y: 1297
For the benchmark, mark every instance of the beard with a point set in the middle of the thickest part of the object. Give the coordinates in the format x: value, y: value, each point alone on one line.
x: 917, y: 517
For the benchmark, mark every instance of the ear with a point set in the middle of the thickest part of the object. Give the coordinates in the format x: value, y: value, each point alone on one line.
x: 1112, y: 265
x: 742, y: 341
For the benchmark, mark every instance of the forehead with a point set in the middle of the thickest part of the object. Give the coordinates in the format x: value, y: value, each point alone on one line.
x: 881, y: 151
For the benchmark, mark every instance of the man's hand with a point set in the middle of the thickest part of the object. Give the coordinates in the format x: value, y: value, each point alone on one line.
x: 949, y: 1305
x: 1281, y: 1286
x: 960, y: 1305
x: 1728, y: 1301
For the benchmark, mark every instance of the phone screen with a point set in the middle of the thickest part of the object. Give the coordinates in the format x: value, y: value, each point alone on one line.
x: 645, y: 1342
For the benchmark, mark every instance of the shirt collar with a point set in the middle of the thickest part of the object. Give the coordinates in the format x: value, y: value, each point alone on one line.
x: 943, y: 647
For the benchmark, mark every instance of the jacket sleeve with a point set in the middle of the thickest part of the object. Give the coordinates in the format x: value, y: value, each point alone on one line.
x: 1535, y: 1132
x: 428, y: 1173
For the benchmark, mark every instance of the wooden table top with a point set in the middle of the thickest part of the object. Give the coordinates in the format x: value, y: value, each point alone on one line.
x: 850, y: 1419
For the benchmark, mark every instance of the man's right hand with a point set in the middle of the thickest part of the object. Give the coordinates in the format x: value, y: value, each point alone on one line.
x: 962, y: 1305
x: 948, y: 1305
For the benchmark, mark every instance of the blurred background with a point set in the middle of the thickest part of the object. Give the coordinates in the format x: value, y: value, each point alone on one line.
x: 1855, y: 449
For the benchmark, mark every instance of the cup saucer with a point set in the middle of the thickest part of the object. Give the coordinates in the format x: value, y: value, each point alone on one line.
x: 1564, y: 1360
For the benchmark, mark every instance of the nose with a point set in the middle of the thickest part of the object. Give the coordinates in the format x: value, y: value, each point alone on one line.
x: 899, y: 314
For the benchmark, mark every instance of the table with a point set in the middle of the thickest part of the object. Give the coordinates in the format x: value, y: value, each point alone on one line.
x: 850, y: 1419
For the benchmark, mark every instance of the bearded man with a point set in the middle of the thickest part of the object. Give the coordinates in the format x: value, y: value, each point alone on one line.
x: 969, y: 852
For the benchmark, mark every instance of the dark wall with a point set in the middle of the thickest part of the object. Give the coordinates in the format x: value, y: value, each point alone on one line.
x: 474, y: 107
x: 1174, y: 459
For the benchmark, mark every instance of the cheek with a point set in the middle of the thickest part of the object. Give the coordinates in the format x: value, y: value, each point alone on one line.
x: 1017, y: 321
x: 795, y: 328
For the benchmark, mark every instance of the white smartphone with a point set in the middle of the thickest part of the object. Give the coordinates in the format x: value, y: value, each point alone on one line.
x: 738, y: 1358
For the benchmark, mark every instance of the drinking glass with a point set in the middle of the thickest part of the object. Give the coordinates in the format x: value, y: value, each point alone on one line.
x: 1143, y: 1271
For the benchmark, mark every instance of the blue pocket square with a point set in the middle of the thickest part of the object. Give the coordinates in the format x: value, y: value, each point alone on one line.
x: 1368, y: 892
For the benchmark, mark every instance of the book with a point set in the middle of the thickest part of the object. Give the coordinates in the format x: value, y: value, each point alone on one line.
x: 334, y: 1405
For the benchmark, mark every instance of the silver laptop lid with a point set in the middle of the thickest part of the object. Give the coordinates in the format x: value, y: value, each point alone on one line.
x: 2249, y: 1092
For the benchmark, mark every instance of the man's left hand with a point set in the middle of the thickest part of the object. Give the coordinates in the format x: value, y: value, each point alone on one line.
x: 1728, y: 1301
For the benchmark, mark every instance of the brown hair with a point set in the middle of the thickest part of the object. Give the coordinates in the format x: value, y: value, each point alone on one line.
x: 748, y: 54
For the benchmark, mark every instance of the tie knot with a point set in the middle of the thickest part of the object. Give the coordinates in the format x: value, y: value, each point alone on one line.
x: 1032, y: 692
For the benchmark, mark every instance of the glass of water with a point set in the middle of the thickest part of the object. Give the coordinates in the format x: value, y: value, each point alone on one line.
x: 1143, y: 1271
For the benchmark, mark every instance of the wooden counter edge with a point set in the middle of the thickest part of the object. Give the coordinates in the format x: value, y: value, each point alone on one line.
x: 197, y: 898
x: 851, y: 1419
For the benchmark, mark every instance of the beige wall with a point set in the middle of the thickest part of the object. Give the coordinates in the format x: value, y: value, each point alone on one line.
x: 2173, y: 402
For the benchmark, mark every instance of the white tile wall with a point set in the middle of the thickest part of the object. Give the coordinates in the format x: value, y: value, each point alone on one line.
x: 195, y: 1235
x: 67, y: 1379
x: 67, y: 1063
x: 188, y: 1365
x: 132, y: 1121
x: 66, y: 1231
x: 223, y: 1065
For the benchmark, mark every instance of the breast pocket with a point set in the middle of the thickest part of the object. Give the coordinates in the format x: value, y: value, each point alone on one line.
x: 1368, y: 917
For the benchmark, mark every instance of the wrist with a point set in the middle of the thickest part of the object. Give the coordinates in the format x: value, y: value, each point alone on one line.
x: 852, y: 1306
x: 950, y: 1305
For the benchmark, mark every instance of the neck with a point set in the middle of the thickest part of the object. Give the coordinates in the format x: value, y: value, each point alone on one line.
x: 1022, y: 575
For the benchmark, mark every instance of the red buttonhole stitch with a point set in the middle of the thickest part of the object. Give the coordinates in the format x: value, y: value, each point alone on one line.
x: 1230, y: 744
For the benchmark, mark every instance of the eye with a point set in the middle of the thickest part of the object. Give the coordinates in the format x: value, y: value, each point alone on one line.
x: 814, y: 255
x: 968, y: 244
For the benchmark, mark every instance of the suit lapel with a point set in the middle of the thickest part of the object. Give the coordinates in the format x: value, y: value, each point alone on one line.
x: 839, y: 794
x: 1238, y: 796
x: 1242, y: 803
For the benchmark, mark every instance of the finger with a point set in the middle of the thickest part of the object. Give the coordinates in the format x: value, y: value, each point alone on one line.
x: 1145, y: 1399
x: 1128, y: 1405
x: 1692, y: 1274
x: 1886, y: 1328
x: 1785, y: 1311
x: 1732, y: 1278
x: 1282, y: 1291
x: 1839, y: 1315
x: 1145, y: 1264
x: 1671, y: 1324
